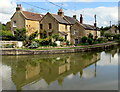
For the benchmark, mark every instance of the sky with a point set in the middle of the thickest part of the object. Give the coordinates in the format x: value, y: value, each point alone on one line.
x: 106, y: 10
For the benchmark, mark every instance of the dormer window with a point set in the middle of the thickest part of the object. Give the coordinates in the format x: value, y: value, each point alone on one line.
x: 14, y: 24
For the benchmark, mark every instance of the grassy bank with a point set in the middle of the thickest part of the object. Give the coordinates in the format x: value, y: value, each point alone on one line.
x: 73, y: 47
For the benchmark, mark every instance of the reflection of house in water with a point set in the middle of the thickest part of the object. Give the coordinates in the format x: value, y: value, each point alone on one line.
x: 50, y: 68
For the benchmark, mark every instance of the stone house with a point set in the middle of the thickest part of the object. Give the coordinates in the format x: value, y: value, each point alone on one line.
x: 67, y: 27
x: 57, y: 24
x: 113, y: 30
x: 79, y: 30
x: 25, y: 19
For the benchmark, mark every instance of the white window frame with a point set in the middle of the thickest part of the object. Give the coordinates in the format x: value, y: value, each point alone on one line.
x: 14, y: 24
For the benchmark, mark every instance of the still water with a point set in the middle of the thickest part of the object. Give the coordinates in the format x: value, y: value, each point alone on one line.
x: 73, y: 71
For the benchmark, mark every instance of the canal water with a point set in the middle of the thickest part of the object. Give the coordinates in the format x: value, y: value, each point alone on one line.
x: 73, y: 71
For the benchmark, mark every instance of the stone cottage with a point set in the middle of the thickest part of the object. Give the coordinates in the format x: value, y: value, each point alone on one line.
x: 79, y: 30
x: 57, y: 24
x: 25, y: 19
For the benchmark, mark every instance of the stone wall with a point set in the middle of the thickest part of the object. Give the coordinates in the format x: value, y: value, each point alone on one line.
x: 38, y: 52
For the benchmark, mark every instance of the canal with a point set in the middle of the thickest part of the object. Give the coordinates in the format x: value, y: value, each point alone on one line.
x: 72, y: 71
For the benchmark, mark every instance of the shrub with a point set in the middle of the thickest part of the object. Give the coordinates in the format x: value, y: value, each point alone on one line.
x: 67, y: 42
x: 6, y: 35
x: 20, y: 34
x: 61, y: 39
x: 90, y: 36
x: 53, y: 44
x: 99, y: 40
x: 34, y: 45
x: 90, y: 41
x: 55, y: 36
x: 84, y: 39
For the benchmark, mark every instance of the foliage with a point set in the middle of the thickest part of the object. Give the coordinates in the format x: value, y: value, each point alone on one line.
x: 67, y: 42
x: 61, y: 39
x: 90, y: 36
x: 20, y: 34
x: 53, y: 44
x: 6, y: 35
x: 116, y: 37
x: 33, y: 36
x: 55, y: 36
x: 3, y: 27
x: 34, y: 45
x: 90, y: 41
x: 9, y: 46
x: 84, y: 39
x: 107, y: 35
x: 44, y: 34
x: 105, y: 28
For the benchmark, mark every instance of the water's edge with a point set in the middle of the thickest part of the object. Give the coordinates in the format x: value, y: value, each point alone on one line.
x: 61, y: 51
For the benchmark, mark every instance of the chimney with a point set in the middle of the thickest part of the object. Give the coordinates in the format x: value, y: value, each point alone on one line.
x: 95, y: 24
x: 81, y: 19
x: 74, y: 16
x: 60, y: 12
x: 19, y: 7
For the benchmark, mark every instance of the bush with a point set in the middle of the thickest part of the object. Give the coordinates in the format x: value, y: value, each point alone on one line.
x: 53, y: 44
x: 84, y: 39
x: 6, y: 35
x: 34, y: 45
x: 90, y: 36
x: 90, y: 41
x: 61, y: 39
x: 99, y: 40
x: 67, y: 42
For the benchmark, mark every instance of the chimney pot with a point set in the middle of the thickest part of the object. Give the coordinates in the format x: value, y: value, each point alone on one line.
x: 60, y: 12
x: 74, y: 16
x: 19, y: 7
x: 81, y: 19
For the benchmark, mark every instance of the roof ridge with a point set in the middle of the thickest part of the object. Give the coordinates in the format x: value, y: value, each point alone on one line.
x: 32, y: 12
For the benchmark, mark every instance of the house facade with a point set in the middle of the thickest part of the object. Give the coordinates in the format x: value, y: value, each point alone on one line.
x: 57, y: 24
x: 67, y: 27
x: 25, y: 19
x: 79, y: 30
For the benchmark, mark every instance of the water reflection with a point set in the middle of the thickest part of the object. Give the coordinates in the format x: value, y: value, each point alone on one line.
x: 46, y: 69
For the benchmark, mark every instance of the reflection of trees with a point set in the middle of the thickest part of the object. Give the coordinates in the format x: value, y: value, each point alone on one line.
x: 27, y: 69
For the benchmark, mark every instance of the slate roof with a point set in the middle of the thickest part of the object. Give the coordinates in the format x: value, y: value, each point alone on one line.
x: 65, y: 19
x: 60, y: 19
x: 71, y: 20
x: 63, y: 33
x: 88, y: 27
x: 32, y: 16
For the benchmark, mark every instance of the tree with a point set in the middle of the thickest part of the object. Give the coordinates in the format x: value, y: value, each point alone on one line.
x: 20, y: 34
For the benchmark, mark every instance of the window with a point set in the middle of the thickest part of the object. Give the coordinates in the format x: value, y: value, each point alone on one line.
x: 76, y: 41
x: 75, y: 32
x: 50, y: 26
x: 14, y: 24
x: 41, y: 26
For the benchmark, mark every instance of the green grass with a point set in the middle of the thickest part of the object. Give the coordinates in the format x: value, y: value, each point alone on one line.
x: 63, y: 48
